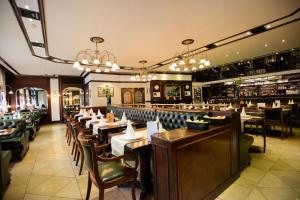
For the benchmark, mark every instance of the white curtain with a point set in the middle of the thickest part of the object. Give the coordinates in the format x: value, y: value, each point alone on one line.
x: 3, y: 102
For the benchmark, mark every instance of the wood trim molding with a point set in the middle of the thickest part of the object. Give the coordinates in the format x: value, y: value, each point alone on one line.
x: 11, y: 68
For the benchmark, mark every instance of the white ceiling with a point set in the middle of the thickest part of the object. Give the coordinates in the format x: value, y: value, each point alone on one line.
x: 151, y: 30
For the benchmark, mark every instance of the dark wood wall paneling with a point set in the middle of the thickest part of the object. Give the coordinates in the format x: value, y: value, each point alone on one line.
x: 185, y: 86
x: 17, y: 82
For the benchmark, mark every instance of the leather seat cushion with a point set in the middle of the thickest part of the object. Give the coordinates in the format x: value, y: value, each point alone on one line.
x: 6, y: 156
x: 110, y: 170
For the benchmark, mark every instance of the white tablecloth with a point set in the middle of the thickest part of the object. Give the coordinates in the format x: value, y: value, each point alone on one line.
x: 118, y: 142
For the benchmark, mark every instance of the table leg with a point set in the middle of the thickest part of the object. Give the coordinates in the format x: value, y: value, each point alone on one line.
x: 145, y: 174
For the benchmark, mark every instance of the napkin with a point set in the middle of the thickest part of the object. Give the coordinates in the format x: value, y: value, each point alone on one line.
x: 277, y: 103
x: 243, y: 113
x: 289, y: 102
x: 292, y: 102
x: 94, y: 117
x: 81, y: 111
x: 152, y: 128
x: 130, y: 133
x: 86, y: 114
x: 102, y: 121
x: 230, y: 106
x: 213, y: 108
x: 99, y: 113
x: 124, y: 118
x: 261, y: 105
x: 273, y: 105
x: 160, y: 126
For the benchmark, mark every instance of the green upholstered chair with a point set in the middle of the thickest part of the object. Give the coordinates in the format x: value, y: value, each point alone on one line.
x: 29, y: 124
x: 18, y: 143
x: 5, y: 157
x: 106, y: 172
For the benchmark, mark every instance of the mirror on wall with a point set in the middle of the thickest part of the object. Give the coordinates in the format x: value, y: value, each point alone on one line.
x: 32, y: 97
x: 73, y: 96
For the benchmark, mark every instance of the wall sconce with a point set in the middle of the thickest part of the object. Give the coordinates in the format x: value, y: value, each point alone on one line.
x: 3, y: 87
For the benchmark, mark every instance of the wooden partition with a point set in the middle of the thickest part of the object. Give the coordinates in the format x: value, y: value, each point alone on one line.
x: 195, y: 165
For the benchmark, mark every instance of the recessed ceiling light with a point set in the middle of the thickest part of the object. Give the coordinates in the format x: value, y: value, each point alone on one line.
x: 226, y: 55
x: 27, y: 7
x: 266, y: 45
x: 237, y: 52
x: 268, y: 26
x: 283, y: 40
x: 248, y: 33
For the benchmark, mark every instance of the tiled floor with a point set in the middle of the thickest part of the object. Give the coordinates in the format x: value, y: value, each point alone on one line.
x: 49, y: 172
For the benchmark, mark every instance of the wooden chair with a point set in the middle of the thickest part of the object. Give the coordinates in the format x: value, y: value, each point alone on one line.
x: 293, y: 116
x: 273, y: 117
x: 106, y: 172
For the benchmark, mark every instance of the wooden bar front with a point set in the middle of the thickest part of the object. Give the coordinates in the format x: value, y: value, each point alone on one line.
x: 193, y: 164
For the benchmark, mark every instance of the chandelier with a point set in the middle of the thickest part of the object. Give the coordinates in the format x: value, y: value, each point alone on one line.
x: 143, y: 74
x: 186, y: 59
x: 96, y: 60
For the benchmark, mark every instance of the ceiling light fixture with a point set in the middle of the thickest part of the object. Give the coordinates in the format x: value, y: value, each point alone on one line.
x: 88, y: 58
x: 186, y: 58
x: 143, y: 74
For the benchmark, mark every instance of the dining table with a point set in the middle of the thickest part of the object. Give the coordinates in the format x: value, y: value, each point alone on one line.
x: 109, y: 128
x: 143, y: 149
x: 256, y: 121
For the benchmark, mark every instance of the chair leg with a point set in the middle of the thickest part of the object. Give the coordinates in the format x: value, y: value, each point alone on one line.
x: 89, y: 186
x: 69, y: 138
x: 75, y: 153
x: 282, y: 132
x: 101, y: 194
x: 73, y: 148
x: 77, y: 159
x: 81, y: 162
x: 133, y: 185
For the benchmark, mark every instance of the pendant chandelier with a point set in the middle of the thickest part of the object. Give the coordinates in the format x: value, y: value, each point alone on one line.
x: 96, y: 60
x: 143, y: 74
x: 185, y: 61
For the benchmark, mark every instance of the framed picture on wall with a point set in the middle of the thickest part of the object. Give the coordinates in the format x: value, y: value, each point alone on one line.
x: 187, y: 93
x: 127, y: 95
x: 102, y: 94
x: 156, y: 94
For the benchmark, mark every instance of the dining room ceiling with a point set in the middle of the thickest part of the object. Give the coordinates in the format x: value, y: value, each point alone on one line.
x: 153, y: 30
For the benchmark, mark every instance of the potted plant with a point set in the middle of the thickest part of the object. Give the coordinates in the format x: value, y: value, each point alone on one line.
x: 106, y: 90
x: 236, y: 84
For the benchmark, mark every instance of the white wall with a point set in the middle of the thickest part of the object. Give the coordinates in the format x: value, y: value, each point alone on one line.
x: 116, y: 99
x: 122, y: 81
x: 126, y: 78
x: 54, y: 89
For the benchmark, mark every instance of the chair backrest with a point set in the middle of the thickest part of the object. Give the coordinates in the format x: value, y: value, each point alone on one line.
x: 295, y: 108
x: 273, y: 114
x: 90, y: 155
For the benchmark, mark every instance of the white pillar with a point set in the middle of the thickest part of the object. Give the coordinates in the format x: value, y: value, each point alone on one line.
x: 55, y: 110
